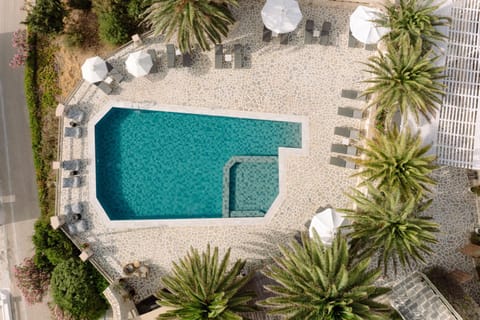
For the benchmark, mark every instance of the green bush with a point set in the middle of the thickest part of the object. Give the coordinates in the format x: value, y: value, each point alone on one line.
x: 75, y: 289
x: 51, y: 246
x: 46, y: 17
x: 80, y: 4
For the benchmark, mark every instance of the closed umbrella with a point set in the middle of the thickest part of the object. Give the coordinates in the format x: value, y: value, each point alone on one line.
x: 94, y: 69
x: 362, y: 26
x: 326, y: 223
x: 139, y: 63
x: 281, y: 16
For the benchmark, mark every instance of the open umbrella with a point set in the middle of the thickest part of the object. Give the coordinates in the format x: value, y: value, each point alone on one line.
x: 362, y: 27
x: 326, y: 223
x: 139, y: 63
x: 281, y: 16
x: 94, y: 69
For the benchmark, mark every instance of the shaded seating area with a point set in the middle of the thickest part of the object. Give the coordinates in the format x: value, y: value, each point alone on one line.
x: 187, y: 59
x: 347, y: 132
x: 340, y: 162
x: 344, y: 149
x: 114, y: 73
x: 74, y: 209
x: 155, y: 60
x: 352, y: 42
x: 136, y: 269
x: 75, y: 114
x: 77, y: 227
x: 284, y: 38
x: 73, y: 132
x: 267, y: 34
x: 104, y: 87
x: 350, y: 112
x: 325, y: 33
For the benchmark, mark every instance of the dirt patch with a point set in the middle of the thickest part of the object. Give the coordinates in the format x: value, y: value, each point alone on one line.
x: 70, y: 59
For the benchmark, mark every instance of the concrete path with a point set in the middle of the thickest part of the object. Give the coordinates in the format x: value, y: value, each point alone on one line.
x: 18, y: 193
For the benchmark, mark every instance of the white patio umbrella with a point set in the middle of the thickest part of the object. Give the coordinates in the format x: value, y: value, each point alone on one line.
x: 281, y: 16
x: 362, y: 27
x: 139, y: 63
x: 94, y: 69
x: 326, y: 223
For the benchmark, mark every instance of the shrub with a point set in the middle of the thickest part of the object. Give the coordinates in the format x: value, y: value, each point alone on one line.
x: 19, y: 41
x: 46, y: 17
x: 51, y: 246
x: 80, y: 4
x: 32, y: 281
x: 57, y: 313
x: 114, y: 23
x: 75, y: 290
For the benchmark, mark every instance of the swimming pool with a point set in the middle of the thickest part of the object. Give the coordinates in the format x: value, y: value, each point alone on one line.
x: 171, y: 165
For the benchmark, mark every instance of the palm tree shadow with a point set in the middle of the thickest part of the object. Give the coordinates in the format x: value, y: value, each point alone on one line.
x: 269, y: 246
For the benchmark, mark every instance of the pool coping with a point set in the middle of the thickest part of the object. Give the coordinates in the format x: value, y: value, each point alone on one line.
x: 283, y: 154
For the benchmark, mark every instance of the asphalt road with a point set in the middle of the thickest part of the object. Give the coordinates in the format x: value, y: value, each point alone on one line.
x: 18, y: 193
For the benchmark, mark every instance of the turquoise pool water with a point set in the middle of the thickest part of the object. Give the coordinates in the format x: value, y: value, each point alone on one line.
x: 167, y: 165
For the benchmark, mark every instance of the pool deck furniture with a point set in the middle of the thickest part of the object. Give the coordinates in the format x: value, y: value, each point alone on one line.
x: 74, y: 208
x: 75, y: 114
x: 352, y: 94
x: 267, y: 34
x: 340, y: 162
x: 284, y: 38
x: 325, y: 33
x: 116, y: 75
x: 187, y: 59
x: 344, y: 149
x: 350, y: 112
x: 238, y: 56
x: 309, y: 26
x: 71, y: 165
x: 77, y: 227
x: 347, y: 132
x: 171, y: 56
x: 371, y: 47
x: 73, y: 132
x: 137, y: 41
x: 352, y: 42
x: 104, y: 87
x: 72, y: 182
x: 155, y: 60
x: 218, y: 56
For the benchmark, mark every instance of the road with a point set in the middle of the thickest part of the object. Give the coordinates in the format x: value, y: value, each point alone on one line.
x: 18, y: 193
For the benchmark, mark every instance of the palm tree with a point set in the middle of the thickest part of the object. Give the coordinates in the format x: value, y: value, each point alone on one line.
x: 314, y: 281
x: 407, y: 80
x: 194, y: 21
x: 397, y: 160
x: 201, y: 287
x: 387, y: 224
x: 413, y: 20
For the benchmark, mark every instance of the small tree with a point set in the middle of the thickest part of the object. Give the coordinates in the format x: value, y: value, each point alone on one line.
x: 46, y: 17
x: 32, y: 281
x: 75, y: 290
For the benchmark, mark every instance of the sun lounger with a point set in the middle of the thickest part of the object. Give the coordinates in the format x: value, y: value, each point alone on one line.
x: 344, y: 149
x: 73, y: 132
x: 346, y: 132
x: 116, y: 75
x: 218, y: 56
x: 267, y: 34
x: 107, y: 89
x: 72, y: 182
x: 371, y: 47
x: 238, y: 56
x: 309, y: 26
x: 75, y: 208
x: 77, y: 227
x: 75, y: 114
x: 350, y: 112
x: 187, y: 59
x: 351, y: 94
x: 339, y: 162
x: 352, y: 42
x: 284, y: 38
x: 325, y: 33
x: 153, y: 55
x: 170, y: 56
x: 71, y: 165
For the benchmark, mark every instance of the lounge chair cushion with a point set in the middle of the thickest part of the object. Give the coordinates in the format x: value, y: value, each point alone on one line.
x: 73, y: 132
